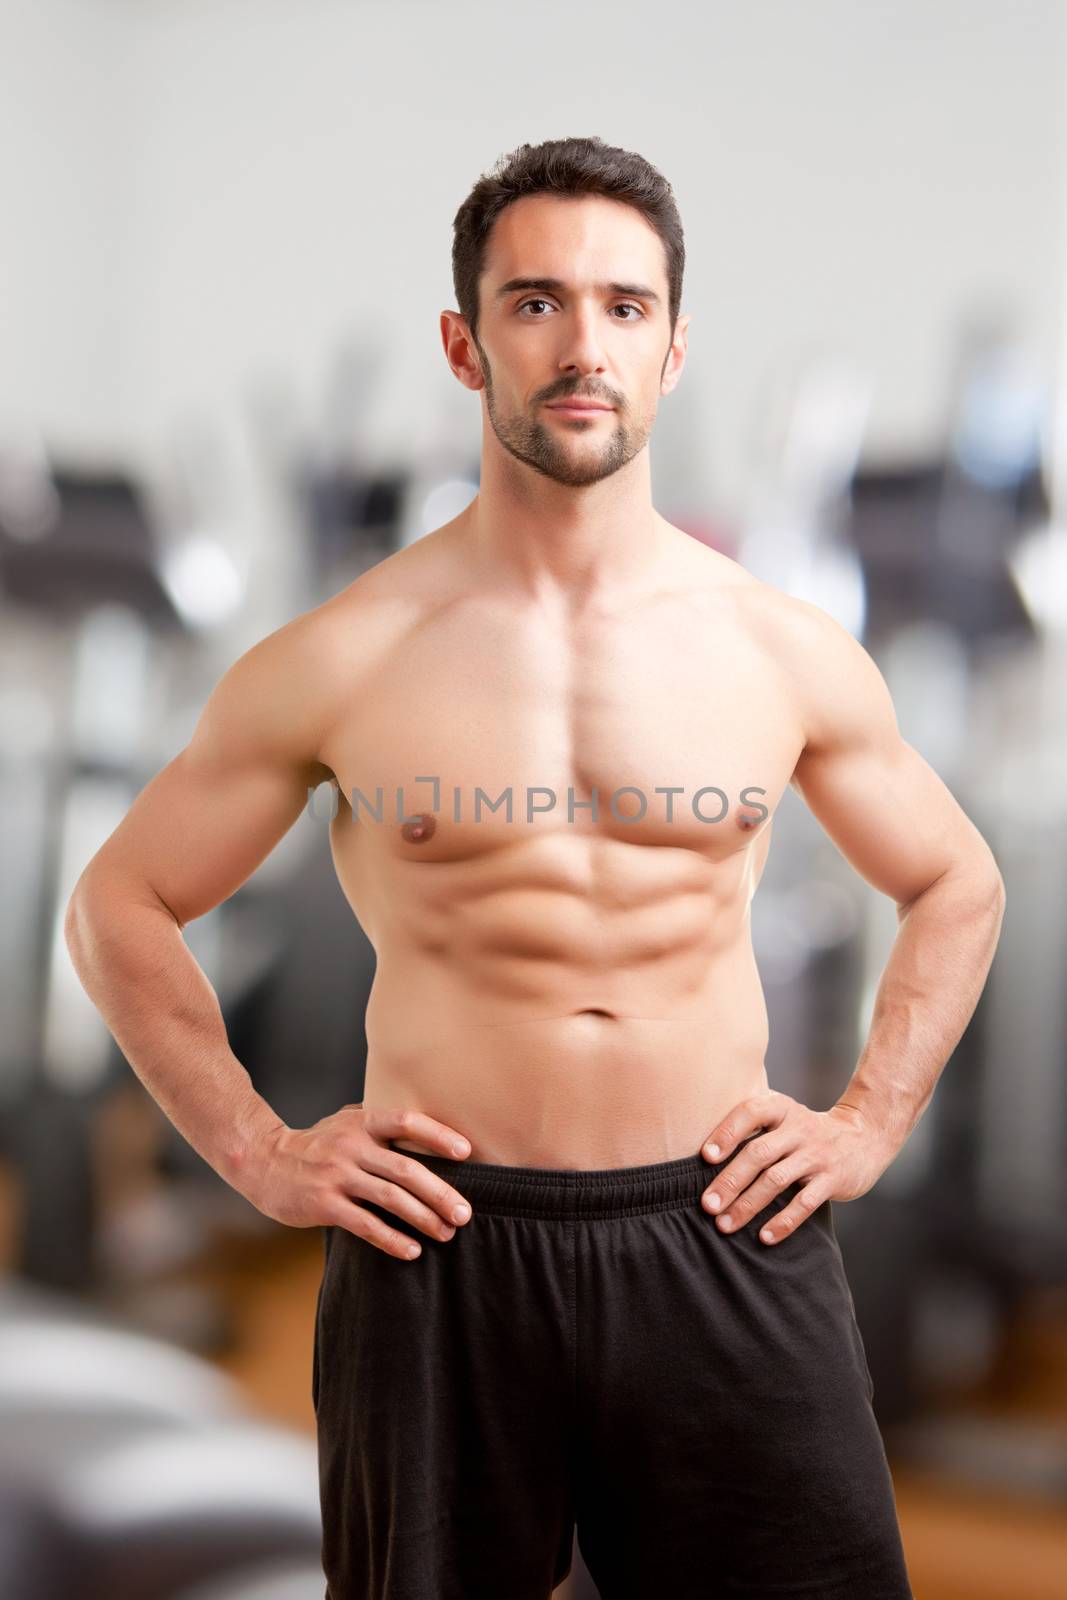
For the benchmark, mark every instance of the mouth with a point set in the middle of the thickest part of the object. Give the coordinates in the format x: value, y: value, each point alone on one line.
x: 579, y: 407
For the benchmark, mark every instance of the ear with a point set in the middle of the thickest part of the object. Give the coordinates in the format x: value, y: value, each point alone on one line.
x: 460, y: 350
x: 676, y: 355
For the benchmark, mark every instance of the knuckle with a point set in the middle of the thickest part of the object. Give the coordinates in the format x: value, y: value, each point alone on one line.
x: 404, y: 1120
x: 373, y: 1227
x: 359, y: 1222
x: 379, y: 1190
x: 410, y: 1208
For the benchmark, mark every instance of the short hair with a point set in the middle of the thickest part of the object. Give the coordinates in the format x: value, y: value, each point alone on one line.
x: 566, y: 167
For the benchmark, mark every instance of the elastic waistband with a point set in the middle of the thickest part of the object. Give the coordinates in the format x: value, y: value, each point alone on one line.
x: 562, y: 1193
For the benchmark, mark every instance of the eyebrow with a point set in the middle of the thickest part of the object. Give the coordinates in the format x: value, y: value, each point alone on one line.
x: 639, y: 291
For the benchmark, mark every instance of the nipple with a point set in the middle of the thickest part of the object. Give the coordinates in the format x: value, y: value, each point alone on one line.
x: 417, y: 829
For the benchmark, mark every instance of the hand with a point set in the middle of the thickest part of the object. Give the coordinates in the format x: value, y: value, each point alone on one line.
x: 308, y: 1177
x: 836, y: 1150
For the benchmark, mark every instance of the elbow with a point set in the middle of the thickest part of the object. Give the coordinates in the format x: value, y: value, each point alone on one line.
x: 75, y: 920
x: 979, y: 882
x: 990, y: 892
x: 80, y: 913
x: 993, y: 881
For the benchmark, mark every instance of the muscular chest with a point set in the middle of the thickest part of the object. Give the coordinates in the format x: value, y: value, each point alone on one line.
x: 650, y: 728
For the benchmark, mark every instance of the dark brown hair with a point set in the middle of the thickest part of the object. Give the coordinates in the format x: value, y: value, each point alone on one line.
x: 563, y: 167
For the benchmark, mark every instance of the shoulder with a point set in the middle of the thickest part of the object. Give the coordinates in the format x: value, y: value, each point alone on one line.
x: 347, y: 634
x: 284, y: 692
x: 784, y: 628
x: 807, y: 638
x: 703, y: 568
x: 839, y: 691
x: 833, y: 682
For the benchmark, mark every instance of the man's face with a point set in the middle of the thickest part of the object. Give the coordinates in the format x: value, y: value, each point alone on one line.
x: 582, y: 337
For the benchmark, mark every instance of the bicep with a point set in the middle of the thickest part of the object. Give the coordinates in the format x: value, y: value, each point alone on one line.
x: 204, y: 823
x: 889, y: 813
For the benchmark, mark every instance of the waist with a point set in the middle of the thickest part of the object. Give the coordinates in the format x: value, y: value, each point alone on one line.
x: 569, y: 1092
x: 501, y: 1189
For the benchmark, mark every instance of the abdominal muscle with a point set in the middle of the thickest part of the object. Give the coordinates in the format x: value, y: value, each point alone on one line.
x: 599, y: 1061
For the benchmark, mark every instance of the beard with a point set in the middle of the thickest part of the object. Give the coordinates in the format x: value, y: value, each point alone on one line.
x: 576, y: 460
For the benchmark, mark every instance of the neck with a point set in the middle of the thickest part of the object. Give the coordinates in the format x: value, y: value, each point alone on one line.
x: 554, y: 542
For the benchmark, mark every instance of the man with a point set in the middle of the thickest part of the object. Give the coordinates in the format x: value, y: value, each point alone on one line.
x: 639, y: 1321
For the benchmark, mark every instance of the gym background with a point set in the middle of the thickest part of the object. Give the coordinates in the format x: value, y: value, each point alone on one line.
x: 226, y: 236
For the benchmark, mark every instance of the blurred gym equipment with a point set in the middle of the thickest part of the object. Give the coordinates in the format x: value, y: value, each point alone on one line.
x: 968, y: 1222
x: 94, y: 657
x: 130, y: 1468
x: 920, y: 562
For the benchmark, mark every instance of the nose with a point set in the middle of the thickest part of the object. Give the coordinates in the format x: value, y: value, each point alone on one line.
x: 583, y: 351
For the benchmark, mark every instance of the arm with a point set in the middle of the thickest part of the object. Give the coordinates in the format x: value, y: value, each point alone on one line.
x: 894, y: 820
x: 190, y: 839
x: 193, y: 835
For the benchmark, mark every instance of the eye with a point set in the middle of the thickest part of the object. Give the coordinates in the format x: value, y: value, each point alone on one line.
x: 625, y: 305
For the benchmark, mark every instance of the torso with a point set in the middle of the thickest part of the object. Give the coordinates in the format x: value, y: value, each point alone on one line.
x: 565, y: 993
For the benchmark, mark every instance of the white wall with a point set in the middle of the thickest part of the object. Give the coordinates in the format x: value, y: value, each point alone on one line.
x: 64, y: 185
x: 851, y: 177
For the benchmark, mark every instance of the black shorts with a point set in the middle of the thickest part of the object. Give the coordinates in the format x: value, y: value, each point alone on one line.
x: 591, y: 1350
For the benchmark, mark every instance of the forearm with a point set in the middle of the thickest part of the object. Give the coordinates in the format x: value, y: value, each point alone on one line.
x: 931, y: 985
x: 137, y: 969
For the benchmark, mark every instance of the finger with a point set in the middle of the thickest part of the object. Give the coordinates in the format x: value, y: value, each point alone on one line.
x: 418, y: 1127
x: 747, y: 1117
x: 799, y: 1209
x: 354, y: 1219
x: 399, y: 1201
x: 407, y: 1175
x: 749, y: 1201
x: 748, y: 1166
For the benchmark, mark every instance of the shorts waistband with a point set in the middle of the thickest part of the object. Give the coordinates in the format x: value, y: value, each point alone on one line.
x: 569, y: 1193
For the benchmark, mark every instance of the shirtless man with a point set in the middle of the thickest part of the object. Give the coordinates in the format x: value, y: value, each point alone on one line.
x: 608, y: 1336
